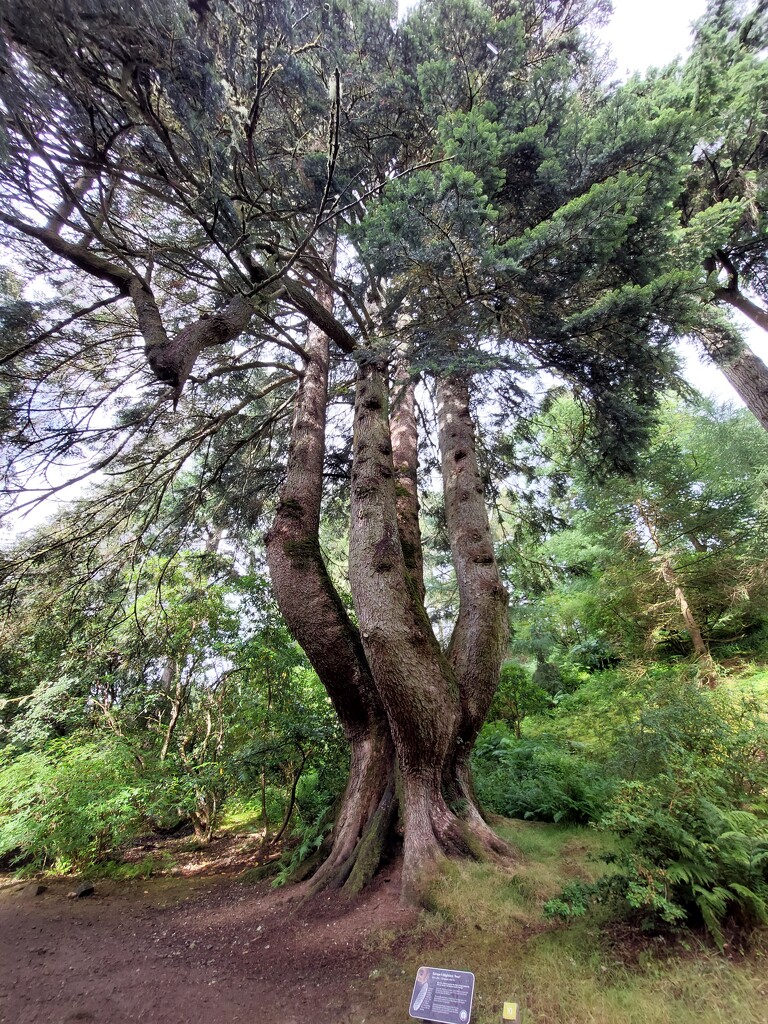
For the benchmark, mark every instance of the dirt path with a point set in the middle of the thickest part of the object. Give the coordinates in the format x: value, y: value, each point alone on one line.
x: 187, y: 951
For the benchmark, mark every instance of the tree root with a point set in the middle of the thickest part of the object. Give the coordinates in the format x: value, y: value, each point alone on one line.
x: 371, y: 847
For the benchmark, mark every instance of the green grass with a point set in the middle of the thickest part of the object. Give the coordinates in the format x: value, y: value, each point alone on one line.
x: 241, y: 817
x: 751, y: 679
x: 490, y: 922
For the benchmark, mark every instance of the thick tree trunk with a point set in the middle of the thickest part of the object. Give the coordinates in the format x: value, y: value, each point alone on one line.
x: 746, y: 373
x: 479, y: 640
x: 391, y: 685
x: 318, y: 621
x: 417, y: 684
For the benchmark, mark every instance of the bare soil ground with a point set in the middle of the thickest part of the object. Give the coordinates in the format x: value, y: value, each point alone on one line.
x: 186, y: 950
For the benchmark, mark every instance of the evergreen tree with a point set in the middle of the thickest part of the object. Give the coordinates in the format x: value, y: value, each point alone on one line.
x: 279, y: 201
x: 724, y: 84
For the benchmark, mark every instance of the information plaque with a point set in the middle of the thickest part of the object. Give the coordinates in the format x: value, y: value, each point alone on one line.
x: 442, y: 995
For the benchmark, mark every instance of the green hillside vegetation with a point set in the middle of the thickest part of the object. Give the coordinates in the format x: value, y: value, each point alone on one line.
x: 378, y: 527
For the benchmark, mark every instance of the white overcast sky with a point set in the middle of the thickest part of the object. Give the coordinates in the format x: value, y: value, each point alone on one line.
x: 644, y: 33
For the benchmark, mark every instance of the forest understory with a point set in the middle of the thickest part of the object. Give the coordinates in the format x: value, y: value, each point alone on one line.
x: 198, y: 943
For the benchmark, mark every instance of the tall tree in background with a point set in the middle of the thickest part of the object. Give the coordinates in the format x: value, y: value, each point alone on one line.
x: 670, y: 558
x: 281, y: 201
x: 724, y: 198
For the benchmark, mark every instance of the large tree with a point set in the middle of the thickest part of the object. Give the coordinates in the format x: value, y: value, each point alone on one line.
x: 722, y: 203
x: 285, y: 202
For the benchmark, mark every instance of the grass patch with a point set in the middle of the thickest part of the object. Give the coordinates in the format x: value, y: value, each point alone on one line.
x: 489, y: 921
x: 239, y: 817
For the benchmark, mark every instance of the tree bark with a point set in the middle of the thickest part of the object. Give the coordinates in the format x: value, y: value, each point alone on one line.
x: 479, y: 640
x: 393, y: 689
x: 415, y: 680
x: 405, y: 457
x: 172, y: 361
x: 317, y: 619
x: 746, y: 373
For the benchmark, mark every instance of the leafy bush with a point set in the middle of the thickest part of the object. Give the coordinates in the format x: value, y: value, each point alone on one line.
x: 678, y: 723
x: 67, y: 805
x: 535, y: 779
x: 516, y: 697
x: 593, y: 654
x: 693, y: 815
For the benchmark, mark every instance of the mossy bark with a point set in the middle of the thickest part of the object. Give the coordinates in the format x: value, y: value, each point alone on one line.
x: 416, y: 682
x: 316, y: 616
x: 397, y: 695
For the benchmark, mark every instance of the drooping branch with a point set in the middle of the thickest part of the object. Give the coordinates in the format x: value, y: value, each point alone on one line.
x: 317, y: 314
x: 79, y: 256
x: 172, y: 360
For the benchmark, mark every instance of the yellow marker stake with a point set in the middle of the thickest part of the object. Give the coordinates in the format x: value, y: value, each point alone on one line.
x: 511, y: 1012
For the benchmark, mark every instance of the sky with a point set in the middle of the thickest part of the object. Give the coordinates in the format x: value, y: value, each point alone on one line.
x: 643, y: 33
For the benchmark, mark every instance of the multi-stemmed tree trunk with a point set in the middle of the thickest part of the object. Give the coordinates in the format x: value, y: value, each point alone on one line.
x: 410, y: 711
x: 318, y: 621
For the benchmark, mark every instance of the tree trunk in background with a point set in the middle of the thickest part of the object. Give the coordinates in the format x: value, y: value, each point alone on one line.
x: 318, y: 621
x: 668, y: 574
x: 479, y: 640
x: 746, y: 373
x: 706, y: 664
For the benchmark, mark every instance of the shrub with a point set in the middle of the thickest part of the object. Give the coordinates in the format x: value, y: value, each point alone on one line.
x: 535, y: 779
x: 516, y: 697
x: 693, y: 815
x: 67, y: 805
